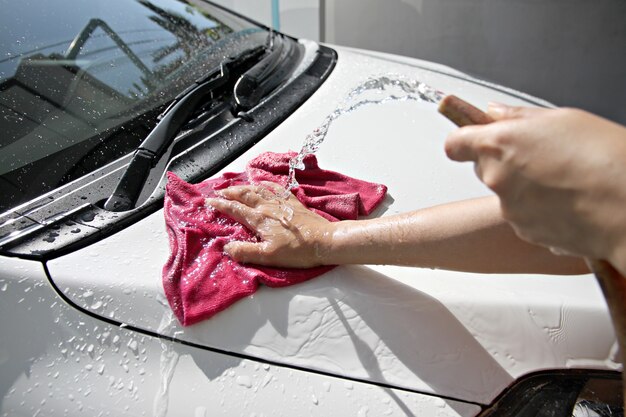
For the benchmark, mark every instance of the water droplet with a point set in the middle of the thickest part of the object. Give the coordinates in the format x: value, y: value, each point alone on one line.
x: 88, y: 217
x: 244, y: 381
x: 132, y: 345
x: 266, y: 380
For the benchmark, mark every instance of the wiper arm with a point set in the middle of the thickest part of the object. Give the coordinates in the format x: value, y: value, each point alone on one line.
x: 151, y: 150
x: 267, y: 74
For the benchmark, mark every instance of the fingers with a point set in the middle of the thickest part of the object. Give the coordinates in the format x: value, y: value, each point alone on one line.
x: 246, y: 252
x: 234, y: 209
x: 470, y: 143
x: 485, y: 146
x: 499, y: 111
x: 250, y: 195
x: 461, y: 145
x: 273, y: 187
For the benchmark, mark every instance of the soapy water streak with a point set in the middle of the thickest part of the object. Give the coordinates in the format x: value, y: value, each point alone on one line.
x: 169, y: 360
x: 409, y: 90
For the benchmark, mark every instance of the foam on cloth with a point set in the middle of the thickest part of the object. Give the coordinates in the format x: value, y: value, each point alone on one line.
x: 199, y: 279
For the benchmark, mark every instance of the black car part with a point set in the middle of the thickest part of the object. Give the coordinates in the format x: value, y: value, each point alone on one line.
x: 164, y: 133
x: 561, y: 394
x: 73, y: 216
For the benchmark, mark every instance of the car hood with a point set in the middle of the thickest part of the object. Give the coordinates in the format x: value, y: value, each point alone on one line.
x: 459, y: 335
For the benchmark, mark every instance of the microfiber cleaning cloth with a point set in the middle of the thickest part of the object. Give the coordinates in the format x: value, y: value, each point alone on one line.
x: 199, y: 279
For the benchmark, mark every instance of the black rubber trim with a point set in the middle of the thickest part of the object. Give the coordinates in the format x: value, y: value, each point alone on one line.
x: 238, y: 355
x: 513, y: 401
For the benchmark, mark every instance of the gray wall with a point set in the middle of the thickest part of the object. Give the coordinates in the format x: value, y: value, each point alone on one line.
x: 570, y: 52
x: 299, y: 18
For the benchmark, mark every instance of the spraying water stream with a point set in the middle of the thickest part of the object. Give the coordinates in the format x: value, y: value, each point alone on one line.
x: 391, y: 87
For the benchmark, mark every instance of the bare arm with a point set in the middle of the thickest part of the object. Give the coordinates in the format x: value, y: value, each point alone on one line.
x: 466, y: 236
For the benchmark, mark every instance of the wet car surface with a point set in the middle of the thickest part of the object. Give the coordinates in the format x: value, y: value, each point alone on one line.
x: 88, y: 329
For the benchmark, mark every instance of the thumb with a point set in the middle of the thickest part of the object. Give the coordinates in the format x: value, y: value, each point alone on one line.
x: 245, y: 252
x: 499, y: 111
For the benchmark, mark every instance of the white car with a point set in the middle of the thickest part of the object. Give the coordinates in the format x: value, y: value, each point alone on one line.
x: 85, y: 326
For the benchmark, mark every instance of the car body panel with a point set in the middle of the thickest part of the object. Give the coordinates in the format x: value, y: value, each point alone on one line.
x: 458, y: 335
x: 56, y: 360
x: 452, y: 72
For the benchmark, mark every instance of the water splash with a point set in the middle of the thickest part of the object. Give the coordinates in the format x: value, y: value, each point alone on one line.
x: 393, y: 88
x: 169, y: 360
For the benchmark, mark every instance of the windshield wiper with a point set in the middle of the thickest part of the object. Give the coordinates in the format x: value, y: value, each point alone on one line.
x: 148, y: 154
x: 267, y: 74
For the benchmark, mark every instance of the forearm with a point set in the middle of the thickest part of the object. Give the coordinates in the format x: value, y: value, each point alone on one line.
x: 468, y: 236
x: 465, y: 236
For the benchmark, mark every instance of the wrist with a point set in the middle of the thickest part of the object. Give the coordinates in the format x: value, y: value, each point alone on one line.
x: 351, y: 242
x: 336, y: 244
x: 323, y: 244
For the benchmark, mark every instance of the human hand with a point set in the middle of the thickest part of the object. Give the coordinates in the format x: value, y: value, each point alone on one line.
x: 291, y: 235
x: 560, y: 175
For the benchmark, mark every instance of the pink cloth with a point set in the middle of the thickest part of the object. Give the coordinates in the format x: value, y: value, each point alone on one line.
x: 198, y: 278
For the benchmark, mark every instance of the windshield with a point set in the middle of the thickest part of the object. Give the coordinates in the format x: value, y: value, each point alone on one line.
x: 81, y: 82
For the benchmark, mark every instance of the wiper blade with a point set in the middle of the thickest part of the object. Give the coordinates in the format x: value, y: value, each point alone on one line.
x: 267, y: 74
x: 148, y: 154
